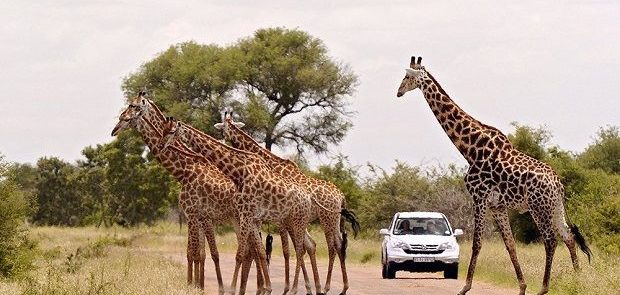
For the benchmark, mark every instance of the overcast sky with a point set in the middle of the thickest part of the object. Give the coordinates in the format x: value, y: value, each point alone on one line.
x: 62, y: 63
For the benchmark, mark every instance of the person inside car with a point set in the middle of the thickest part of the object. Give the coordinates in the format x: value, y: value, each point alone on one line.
x: 404, y: 227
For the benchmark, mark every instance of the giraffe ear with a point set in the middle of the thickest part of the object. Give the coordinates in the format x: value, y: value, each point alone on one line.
x: 239, y: 124
x: 219, y: 126
x: 412, y: 72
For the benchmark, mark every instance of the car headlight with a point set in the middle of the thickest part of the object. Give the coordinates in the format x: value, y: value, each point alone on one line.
x: 446, y: 246
x: 399, y: 244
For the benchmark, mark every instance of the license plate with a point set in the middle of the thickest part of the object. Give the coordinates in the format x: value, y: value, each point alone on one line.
x: 423, y: 259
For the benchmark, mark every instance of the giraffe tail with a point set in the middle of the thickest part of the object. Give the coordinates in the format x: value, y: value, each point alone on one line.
x: 581, y: 241
x: 350, y: 217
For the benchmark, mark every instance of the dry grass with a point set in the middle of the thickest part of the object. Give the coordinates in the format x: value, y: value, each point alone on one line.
x: 494, y: 266
x: 105, y: 261
x: 140, y: 261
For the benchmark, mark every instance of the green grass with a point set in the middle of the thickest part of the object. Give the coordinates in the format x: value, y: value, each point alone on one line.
x: 91, y: 260
x: 494, y: 266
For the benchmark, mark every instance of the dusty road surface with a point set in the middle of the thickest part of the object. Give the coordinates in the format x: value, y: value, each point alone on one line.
x: 363, y: 279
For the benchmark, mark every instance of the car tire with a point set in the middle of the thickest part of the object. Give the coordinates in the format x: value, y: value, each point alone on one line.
x: 383, y: 271
x: 390, y: 271
x: 451, y: 271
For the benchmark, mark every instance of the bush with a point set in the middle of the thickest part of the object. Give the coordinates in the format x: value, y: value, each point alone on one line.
x: 16, y: 250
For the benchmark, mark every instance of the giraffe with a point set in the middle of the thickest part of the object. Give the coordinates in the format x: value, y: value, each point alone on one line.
x: 206, y: 197
x: 329, y: 202
x: 310, y: 245
x: 499, y: 178
x: 264, y: 196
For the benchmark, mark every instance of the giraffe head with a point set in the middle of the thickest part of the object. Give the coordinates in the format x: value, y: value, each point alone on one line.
x: 131, y: 115
x: 413, y: 77
x: 173, y: 130
x: 227, y: 125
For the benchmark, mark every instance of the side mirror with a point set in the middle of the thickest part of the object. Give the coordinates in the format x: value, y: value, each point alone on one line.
x: 458, y: 232
x: 384, y: 232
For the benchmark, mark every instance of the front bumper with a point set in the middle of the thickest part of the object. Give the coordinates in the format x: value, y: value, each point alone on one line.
x: 403, y: 261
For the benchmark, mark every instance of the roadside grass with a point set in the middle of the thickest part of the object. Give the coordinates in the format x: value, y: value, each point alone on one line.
x: 91, y: 260
x: 602, y: 276
x: 116, y: 260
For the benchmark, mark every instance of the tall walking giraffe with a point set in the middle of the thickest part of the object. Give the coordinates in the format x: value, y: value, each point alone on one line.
x: 499, y: 178
x: 206, y: 197
x: 264, y: 196
x: 329, y: 202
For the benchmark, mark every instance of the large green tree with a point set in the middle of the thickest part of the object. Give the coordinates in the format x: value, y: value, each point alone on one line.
x: 295, y: 93
x: 282, y: 83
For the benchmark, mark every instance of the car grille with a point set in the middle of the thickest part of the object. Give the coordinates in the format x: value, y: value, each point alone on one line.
x: 423, y: 249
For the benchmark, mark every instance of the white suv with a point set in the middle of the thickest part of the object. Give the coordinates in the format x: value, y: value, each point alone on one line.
x: 420, y: 242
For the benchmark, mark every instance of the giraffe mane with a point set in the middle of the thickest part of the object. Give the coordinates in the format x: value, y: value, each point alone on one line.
x: 262, y: 150
x: 202, y: 134
x: 178, y: 146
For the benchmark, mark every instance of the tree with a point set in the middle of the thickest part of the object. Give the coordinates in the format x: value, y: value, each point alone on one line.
x: 16, y: 250
x: 189, y: 81
x: 345, y: 178
x: 604, y: 153
x: 296, y: 94
x: 58, y: 200
x: 529, y: 140
x: 411, y: 188
x: 292, y: 92
x: 138, y: 186
x: 93, y: 185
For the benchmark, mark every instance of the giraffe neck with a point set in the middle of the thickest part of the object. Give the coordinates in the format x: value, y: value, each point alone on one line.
x: 474, y: 140
x: 239, y: 139
x: 175, y: 159
x: 229, y: 161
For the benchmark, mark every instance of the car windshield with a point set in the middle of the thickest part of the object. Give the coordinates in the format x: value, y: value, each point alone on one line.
x: 421, y: 226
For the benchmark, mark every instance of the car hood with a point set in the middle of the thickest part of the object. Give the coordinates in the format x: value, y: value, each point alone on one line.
x: 423, y: 239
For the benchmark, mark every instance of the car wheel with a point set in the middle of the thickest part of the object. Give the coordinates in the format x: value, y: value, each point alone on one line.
x: 390, y: 271
x: 383, y: 271
x: 451, y: 271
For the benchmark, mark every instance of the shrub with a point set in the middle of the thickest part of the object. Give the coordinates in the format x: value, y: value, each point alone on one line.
x: 16, y: 250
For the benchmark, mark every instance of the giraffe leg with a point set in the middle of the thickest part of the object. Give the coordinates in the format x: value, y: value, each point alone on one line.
x: 201, y: 261
x: 193, y: 240
x: 310, y: 246
x: 331, y: 250
x: 215, y: 256
x: 242, y: 252
x: 501, y: 217
x: 260, y: 283
x: 297, y: 236
x: 287, y: 254
x: 544, y: 221
x: 245, y: 271
x: 479, y: 216
x: 261, y: 259
x: 567, y: 236
x: 343, y: 268
x: 304, y: 271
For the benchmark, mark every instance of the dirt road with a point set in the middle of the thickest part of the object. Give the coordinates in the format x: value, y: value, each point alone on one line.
x: 363, y: 280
